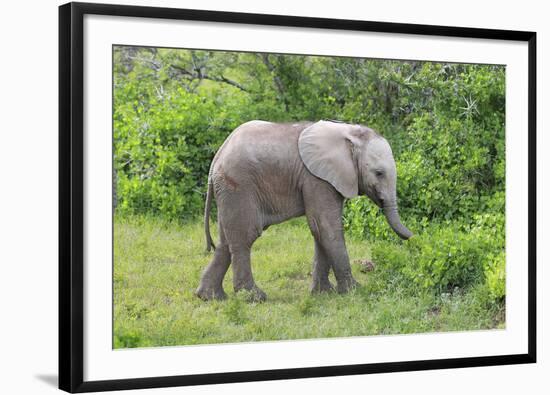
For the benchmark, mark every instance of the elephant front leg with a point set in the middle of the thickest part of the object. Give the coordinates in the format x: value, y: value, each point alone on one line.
x: 335, y: 248
x: 321, y: 269
x: 342, y: 272
x: 324, y: 213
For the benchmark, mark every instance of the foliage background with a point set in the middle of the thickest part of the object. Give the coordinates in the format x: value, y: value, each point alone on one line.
x: 173, y: 108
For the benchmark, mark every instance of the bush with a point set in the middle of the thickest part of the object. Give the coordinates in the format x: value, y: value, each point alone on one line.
x: 364, y: 220
x: 447, y: 256
x: 164, y: 148
x: 495, y: 276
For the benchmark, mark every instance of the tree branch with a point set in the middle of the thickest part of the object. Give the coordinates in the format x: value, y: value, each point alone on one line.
x: 201, y: 75
x: 152, y: 63
x: 276, y: 79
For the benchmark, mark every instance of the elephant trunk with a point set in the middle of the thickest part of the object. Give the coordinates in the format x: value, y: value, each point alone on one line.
x: 392, y: 216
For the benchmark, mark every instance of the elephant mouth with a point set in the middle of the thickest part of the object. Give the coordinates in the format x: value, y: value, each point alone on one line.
x: 373, y: 195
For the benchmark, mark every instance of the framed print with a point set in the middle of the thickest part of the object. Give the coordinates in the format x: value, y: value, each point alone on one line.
x: 250, y: 197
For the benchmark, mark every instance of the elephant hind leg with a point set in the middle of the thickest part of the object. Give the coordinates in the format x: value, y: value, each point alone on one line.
x: 211, y: 285
x: 242, y: 273
x: 239, y: 213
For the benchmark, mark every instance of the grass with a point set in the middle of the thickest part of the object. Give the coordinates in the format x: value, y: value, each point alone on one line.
x: 158, y: 265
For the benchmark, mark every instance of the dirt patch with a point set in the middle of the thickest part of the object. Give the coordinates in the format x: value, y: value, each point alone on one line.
x: 365, y: 265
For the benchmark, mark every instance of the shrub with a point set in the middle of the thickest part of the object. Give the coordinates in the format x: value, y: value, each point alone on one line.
x: 163, y: 149
x: 495, y: 276
x: 363, y: 220
x: 445, y: 257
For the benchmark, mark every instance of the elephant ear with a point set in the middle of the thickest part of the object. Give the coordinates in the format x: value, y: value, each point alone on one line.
x: 326, y: 150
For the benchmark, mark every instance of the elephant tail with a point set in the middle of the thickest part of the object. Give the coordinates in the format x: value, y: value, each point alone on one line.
x: 208, y: 204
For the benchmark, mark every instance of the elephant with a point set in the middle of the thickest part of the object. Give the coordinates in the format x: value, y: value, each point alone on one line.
x: 266, y: 173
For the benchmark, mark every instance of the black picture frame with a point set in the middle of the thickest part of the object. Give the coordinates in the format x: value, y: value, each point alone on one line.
x: 71, y: 197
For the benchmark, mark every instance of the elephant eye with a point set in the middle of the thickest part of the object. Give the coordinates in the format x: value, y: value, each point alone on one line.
x: 379, y: 173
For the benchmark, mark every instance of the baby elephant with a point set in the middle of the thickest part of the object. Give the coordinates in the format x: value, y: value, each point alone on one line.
x: 266, y: 173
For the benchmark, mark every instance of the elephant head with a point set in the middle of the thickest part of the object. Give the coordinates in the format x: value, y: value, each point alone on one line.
x: 355, y: 160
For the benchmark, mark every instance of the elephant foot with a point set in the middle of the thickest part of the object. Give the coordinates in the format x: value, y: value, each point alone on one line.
x: 318, y: 287
x: 346, y: 285
x: 210, y: 293
x: 254, y: 294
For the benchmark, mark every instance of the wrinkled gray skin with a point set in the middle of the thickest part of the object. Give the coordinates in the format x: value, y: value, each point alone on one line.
x: 266, y: 173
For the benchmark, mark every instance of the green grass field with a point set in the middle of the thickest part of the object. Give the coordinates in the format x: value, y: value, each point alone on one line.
x: 158, y: 265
